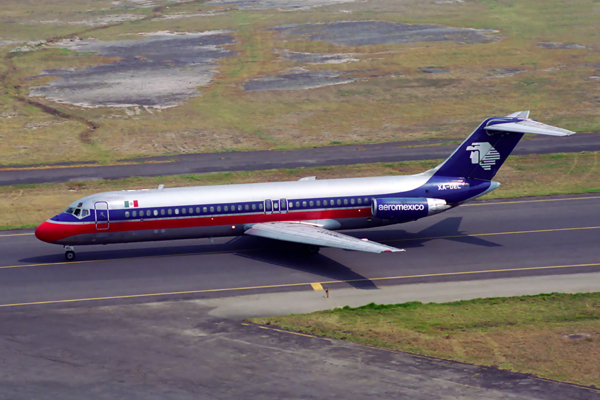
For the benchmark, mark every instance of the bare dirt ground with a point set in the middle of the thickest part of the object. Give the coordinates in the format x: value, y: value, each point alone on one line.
x: 160, y: 70
x: 108, y: 80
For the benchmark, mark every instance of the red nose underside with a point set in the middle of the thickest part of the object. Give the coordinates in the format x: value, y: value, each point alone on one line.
x: 51, y: 233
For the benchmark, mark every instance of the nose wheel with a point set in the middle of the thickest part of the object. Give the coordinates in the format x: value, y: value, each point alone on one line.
x: 69, y: 253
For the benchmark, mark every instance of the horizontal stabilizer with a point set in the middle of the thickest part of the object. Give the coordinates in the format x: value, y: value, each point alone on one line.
x: 482, y: 154
x: 313, y: 235
x: 519, y: 114
x: 529, y: 126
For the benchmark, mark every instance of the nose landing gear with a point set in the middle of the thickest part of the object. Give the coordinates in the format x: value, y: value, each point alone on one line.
x: 69, y: 253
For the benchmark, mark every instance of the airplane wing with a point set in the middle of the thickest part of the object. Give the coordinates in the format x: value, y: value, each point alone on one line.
x: 309, y: 234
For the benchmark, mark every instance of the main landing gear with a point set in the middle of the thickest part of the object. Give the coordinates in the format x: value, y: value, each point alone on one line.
x: 311, y: 249
x: 69, y: 253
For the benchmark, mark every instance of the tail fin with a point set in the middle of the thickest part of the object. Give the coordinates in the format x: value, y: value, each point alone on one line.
x: 482, y: 154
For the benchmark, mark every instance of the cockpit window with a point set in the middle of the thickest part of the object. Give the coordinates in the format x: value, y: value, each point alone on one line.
x: 77, y: 212
x: 85, y: 213
x: 69, y: 210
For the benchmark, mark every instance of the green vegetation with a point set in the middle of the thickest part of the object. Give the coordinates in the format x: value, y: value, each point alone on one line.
x: 555, y: 336
x: 536, y: 175
x: 391, y: 99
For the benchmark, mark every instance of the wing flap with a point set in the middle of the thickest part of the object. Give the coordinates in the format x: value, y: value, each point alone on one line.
x: 309, y: 234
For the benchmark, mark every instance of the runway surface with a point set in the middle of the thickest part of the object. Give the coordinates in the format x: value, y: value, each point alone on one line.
x: 496, y: 239
x: 270, y: 159
x: 110, y: 325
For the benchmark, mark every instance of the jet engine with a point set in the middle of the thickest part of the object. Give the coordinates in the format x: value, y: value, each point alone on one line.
x: 407, y: 208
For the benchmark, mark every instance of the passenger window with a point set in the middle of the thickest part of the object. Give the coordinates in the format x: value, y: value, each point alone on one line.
x: 212, y: 209
x: 135, y: 214
x: 126, y: 214
x: 318, y: 203
x: 246, y: 207
x: 291, y: 204
x: 177, y: 211
x: 297, y: 204
x: 240, y: 207
x: 311, y: 203
x: 345, y: 201
x: 324, y: 202
x: 197, y: 210
x: 254, y: 206
x: 141, y: 213
x: 204, y: 210
x: 339, y: 202
x: 359, y: 200
x: 218, y: 208
x: 352, y: 201
x: 303, y: 204
x: 366, y: 200
x: 226, y: 208
x: 162, y: 211
x: 260, y: 206
x: 183, y: 211
x: 156, y: 213
x: 169, y: 211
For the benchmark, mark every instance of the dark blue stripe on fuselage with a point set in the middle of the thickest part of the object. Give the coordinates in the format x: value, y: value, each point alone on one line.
x: 453, y: 190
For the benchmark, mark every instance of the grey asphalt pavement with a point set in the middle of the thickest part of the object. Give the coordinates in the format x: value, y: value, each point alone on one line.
x: 271, y: 159
x: 176, y: 351
x: 164, y: 320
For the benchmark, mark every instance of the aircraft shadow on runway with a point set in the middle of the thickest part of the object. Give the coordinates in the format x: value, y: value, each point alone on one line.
x: 291, y: 255
x: 288, y: 255
x: 447, y: 229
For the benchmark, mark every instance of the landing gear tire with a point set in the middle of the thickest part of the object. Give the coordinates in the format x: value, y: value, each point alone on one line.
x: 311, y: 249
x: 70, y: 255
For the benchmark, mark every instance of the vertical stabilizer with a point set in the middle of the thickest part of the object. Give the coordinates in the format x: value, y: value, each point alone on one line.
x: 482, y: 154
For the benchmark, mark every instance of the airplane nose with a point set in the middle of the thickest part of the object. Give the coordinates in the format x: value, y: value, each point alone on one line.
x: 45, y: 232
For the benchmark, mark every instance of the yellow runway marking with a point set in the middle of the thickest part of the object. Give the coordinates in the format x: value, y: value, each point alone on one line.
x: 17, y: 234
x: 290, y: 285
x: 321, y: 288
x: 316, y: 286
x: 127, y: 258
x: 492, y: 203
x: 495, y: 234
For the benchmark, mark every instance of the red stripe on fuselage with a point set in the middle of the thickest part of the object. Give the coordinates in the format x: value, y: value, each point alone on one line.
x: 52, y: 232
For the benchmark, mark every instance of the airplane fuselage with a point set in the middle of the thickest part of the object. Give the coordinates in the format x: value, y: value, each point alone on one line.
x: 228, y: 210
x: 305, y: 211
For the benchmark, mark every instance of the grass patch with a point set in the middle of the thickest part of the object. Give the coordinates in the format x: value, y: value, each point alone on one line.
x: 529, y: 334
x: 534, y: 175
x: 391, y: 100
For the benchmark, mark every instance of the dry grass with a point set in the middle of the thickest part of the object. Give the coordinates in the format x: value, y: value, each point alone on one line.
x: 538, y: 175
x: 392, y: 100
x: 527, y: 334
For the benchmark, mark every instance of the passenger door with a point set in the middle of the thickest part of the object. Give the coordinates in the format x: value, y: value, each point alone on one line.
x: 101, y: 212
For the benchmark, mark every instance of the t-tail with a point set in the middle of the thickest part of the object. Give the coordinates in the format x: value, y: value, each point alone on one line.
x: 482, y: 154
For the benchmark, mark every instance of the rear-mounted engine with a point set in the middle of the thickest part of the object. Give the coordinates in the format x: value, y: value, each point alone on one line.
x: 408, y: 208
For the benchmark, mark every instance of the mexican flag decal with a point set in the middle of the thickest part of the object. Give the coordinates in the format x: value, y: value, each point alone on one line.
x: 129, y: 203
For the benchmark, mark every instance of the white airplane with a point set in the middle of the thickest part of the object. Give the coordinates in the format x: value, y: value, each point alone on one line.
x: 307, y: 211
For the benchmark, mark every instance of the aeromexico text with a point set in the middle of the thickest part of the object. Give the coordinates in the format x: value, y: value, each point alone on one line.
x: 401, y: 207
